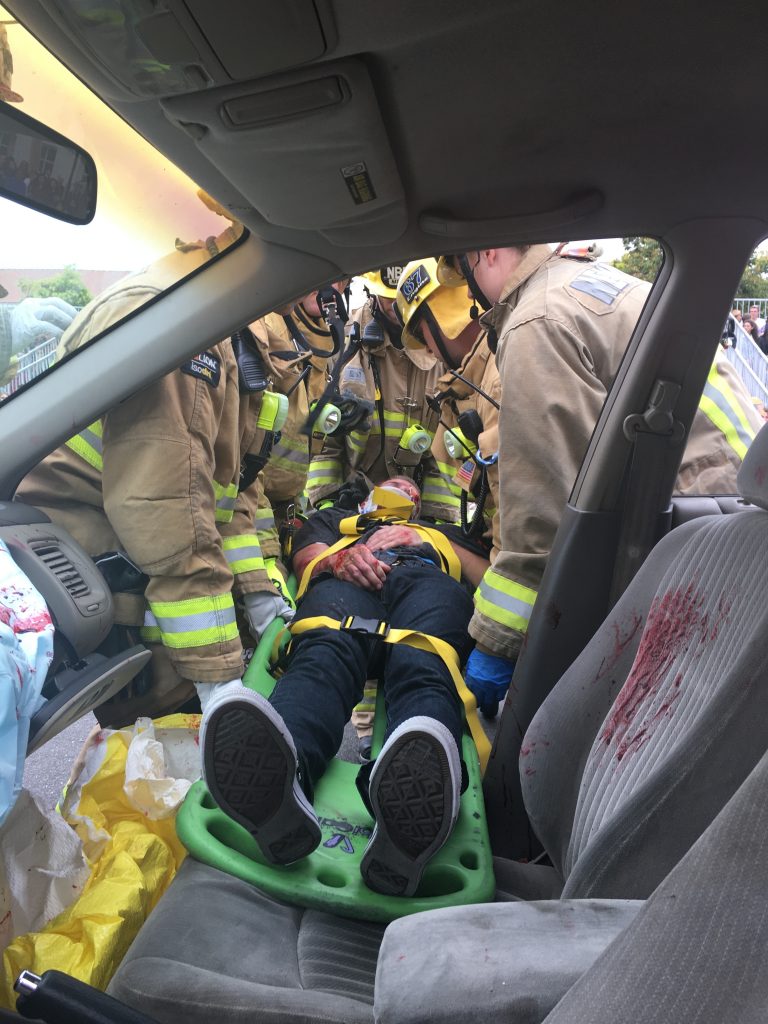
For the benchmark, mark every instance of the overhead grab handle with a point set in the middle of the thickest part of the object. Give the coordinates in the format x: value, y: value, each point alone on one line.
x: 575, y: 209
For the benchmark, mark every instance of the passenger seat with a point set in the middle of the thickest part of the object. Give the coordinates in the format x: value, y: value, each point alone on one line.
x: 634, y: 753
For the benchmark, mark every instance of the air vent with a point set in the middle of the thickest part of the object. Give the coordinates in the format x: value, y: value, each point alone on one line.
x: 49, y: 552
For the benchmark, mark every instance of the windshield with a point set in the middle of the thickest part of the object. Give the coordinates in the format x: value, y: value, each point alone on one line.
x: 147, y: 209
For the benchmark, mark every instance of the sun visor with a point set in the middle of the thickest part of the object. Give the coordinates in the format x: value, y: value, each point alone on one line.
x: 308, y: 150
x: 171, y: 47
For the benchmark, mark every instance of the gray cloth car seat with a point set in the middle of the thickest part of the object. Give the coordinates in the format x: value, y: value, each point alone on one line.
x: 697, y: 953
x: 633, y: 754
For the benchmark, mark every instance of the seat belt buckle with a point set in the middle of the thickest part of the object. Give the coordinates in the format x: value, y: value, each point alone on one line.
x: 365, y: 627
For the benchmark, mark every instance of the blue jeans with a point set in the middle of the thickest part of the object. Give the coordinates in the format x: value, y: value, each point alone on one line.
x: 328, y: 668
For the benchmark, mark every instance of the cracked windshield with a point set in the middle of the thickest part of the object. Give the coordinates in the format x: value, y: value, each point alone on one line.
x: 147, y: 211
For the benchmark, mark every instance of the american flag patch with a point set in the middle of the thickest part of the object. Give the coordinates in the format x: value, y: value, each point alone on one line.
x: 465, y: 474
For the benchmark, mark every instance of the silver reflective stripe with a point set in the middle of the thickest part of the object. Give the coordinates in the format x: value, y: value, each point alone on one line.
x: 602, y: 282
x: 332, y: 472
x: 200, y: 620
x: 434, y: 484
x: 227, y: 502
x: 240, y: 554
x: 93, y: 439
x: 264, y: 521
x: 280, y: 451
x: 511, y: 604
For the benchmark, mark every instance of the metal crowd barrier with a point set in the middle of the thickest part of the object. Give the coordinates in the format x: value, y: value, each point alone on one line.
x: 31, y: 364
x: 750, y: 363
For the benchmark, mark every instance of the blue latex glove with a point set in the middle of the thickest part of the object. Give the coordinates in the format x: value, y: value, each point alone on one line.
x: 488, y: 677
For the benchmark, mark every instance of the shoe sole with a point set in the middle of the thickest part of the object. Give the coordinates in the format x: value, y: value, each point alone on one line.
x: 250, y: 771
x: 414, y: 792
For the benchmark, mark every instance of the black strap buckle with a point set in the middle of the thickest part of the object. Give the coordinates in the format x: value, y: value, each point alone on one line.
x: 365, y: 627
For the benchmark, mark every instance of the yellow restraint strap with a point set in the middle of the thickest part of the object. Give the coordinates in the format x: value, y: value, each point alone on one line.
x: 353, y: 526
x: 422, y: 642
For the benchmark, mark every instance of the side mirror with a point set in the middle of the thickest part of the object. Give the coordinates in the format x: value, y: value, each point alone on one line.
x: 63, y: 179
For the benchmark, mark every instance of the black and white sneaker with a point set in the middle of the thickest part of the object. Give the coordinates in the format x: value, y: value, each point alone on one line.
x: 414, y: 791
x: 249, y: 767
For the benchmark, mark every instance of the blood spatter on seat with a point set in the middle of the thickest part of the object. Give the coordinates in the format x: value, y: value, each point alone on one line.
x: 677, y: 622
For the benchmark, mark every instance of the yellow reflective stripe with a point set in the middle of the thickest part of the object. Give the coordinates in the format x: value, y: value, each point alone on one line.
x: 444, y: 484
x: 722, y: 408
x: 225, y: 501
x: 197, y: 621
x: 264, y: 520
x: 506, y: 602
x: 357, y: 440
x: 243, y: 553
x: 368, y: 703
x: 439, y: 495
x: 290, y: 463
x: 88, y: 445
x: 291, y: 448
x: 395, y: 422
x: 150, y: 631
x: 394, y: 416
x: 324, y: 471
x: 431, y: 645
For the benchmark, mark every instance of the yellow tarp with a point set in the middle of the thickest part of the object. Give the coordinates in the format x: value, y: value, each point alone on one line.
x: 133, y: 860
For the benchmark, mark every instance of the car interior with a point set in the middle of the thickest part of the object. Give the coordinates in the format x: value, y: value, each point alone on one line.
x: 343, y: 136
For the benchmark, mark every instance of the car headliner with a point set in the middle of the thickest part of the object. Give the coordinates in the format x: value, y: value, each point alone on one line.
x: 503, y: 109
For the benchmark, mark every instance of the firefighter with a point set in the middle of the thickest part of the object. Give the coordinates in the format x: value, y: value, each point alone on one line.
x: 465, y: 446
x: 296, y: 345
x: 159, y: 478
x: 384, y: 391
x: 422, y: 302
x: 561, y: 323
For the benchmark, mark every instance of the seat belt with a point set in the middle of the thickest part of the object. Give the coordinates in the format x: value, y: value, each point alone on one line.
x: 652, y: 433
x: 381, y: 630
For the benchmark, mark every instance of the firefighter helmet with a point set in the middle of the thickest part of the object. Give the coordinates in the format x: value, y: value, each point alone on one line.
x: 421, y: 295
x: 383, y: 280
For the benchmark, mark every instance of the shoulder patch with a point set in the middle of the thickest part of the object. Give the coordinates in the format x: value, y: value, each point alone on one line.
x: 353, y: 373
x: 602, y: 282
x: 205, y: 367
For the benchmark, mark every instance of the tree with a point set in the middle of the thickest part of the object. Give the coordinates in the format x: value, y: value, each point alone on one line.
x: 67, y: 285
x: 754, y: 280
x: 642, y: 258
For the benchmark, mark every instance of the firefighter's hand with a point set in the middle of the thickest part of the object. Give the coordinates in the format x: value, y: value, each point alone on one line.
x: 488, y: 677
x: 261, y: 609
x: 387, y: 537
x: 37, y: 319
x: 358, y: 565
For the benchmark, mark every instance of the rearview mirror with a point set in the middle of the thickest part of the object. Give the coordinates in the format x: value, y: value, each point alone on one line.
x: 43, y: 170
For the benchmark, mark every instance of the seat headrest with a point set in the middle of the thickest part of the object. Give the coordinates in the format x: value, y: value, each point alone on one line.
x: 752, y: 480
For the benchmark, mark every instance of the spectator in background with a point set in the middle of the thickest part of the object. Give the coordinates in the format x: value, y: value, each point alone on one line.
x: 736, y: 314
x: 759, y: 321
x: 751, y: 328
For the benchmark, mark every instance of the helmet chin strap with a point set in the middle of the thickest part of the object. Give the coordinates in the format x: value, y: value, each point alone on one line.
x: 480, y: 297
x: 475, y: 290
x: 437, y: 336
